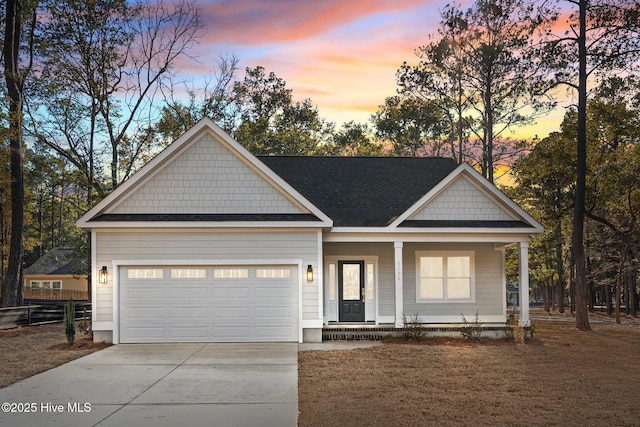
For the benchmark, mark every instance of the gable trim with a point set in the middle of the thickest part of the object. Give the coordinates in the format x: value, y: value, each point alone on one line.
x: 178, y: 146
x: 468, y: 172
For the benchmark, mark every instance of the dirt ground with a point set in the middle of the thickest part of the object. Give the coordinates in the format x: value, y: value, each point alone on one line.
x: 561, y: 377
x: 25, y: 352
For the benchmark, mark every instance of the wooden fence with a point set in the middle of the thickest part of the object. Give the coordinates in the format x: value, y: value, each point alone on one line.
x: 55, y: 294
x: 37, y: 314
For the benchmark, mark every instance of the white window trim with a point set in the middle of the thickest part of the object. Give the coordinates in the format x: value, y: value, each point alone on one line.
x: 445, y: 254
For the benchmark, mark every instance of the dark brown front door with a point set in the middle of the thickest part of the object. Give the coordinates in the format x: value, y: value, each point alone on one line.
x: 351, y: 290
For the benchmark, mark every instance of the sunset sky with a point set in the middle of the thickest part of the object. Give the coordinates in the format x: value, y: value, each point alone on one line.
x: 341, y: 54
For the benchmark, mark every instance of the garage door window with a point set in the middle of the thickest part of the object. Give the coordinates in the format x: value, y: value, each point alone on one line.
x: 273, y: 273
x: 231, y: 273
x: 188, y: 273
x: 144, y: 273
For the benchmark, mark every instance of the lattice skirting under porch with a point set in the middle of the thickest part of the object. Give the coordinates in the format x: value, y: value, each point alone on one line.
x: 337, y: 332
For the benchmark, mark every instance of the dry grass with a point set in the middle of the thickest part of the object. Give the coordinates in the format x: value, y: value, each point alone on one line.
x: 561, y: 377
x: 25, y: 352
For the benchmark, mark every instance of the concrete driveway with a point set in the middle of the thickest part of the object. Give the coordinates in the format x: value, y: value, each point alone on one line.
x: 252, y: 384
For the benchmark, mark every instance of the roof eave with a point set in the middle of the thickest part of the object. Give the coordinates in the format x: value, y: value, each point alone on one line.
x: 439, y: 230
x: 92, y: 225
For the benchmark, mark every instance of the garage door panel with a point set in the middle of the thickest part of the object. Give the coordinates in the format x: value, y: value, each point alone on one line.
x: 273, y: 331
x: 244, y: 308
x: 226, y: 291
x: 187, y: 333
x: 146, y: 292
x: 283, y: 313
x: 272, y: 292
x: 189, y: 313
x: 151, y: 334
x: 146, y: 313
x: 188, y: 292
x: 231, y: 333
x: 222, y: 313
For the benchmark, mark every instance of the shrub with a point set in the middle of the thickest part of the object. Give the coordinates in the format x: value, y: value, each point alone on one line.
x: 413, y: 327
x: 69, y: 321
x: 471, y: 331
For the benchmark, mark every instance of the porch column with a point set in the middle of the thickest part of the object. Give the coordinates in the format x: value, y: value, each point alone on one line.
x: 524, y: 283
x: 398, y: 282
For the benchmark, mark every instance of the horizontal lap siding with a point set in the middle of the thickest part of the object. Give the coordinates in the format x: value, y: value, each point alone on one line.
x: 203, y: 245
x: 385, y: 253
x: 490, y: 291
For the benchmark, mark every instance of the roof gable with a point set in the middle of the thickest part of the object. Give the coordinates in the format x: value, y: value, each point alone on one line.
x: 184, y: 186
x: 204, y: 176
x: 464, y: 199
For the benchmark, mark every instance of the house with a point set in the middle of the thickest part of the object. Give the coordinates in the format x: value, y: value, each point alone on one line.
x: 209, y: 243
x: 53, y: 277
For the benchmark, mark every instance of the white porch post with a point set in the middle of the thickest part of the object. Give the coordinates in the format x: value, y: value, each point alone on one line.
x: 524, y: 283
x: 398, y: 288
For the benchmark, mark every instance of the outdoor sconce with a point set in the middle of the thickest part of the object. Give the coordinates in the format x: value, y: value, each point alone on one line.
x: 309, y: 273
x: 102, y: 274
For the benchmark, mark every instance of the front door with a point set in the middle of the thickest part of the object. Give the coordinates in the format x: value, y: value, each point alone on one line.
x: 351, y: 291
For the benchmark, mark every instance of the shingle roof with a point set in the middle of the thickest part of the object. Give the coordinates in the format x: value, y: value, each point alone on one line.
x: 361, y: 191
x: 56, y: 261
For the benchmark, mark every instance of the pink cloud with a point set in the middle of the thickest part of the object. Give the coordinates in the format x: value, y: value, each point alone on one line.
x: 347, y: 72
x: 253, y: 22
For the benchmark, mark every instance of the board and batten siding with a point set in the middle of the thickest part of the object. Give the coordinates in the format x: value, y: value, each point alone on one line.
x: 205, y: 245
x: 184, y: 186
x: 384, y: 252
x: 489, y: 283
x: 462, y: 200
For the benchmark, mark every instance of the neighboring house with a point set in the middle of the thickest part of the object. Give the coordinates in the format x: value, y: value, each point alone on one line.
x: 210, y: 243
x: 52, y: 277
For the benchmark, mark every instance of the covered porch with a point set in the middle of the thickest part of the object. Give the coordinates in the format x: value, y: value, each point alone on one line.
x: 386, y: 275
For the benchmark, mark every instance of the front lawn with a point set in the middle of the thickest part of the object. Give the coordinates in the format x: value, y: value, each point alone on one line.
x: 27, y: 351
x: 561, y: 377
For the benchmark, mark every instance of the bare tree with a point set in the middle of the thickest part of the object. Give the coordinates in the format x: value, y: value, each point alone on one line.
x: 106, y: 63
x: 213, y: 100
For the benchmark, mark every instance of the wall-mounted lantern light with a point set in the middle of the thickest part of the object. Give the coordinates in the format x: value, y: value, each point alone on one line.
x: 102, y: 274
x: 309, y: 273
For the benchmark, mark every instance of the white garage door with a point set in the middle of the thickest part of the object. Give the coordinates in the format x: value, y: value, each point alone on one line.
x: 208, y: 304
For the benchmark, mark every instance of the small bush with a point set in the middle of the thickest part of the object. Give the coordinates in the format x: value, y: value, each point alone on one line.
x: 471, y: 331
x: 69, y: 321
x: 413, y: 327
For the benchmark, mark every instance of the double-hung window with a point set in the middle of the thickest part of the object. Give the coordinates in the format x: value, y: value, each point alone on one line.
x: 445, y: 276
